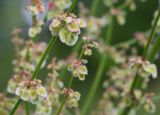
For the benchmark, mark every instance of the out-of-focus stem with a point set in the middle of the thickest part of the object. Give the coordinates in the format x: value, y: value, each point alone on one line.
x: 99, y: 72
x: 94, y: 87
x: 94, y: 6
x: 151, y: 35
x: 154, y: 50
x: 27, y: 108
x: 109, y: 31
x: 15, y: 107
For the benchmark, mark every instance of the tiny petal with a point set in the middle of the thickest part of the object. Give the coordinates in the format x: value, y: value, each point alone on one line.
x: 82, y: 23
x: 73, y: 27
x: 151, y: 68
x: 42, y: 91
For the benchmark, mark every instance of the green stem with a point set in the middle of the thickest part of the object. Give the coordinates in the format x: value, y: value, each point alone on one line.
x: 137, y: 78
x: 154, y: 50
x: 94, y: 7
x: 64, y: 98
x: 152, y: 34
x: 72, y: 6
x: 94, y: 87
x: 109, y: 31
x: 50, y: 45
x: 15, y: 107
x: 27, y: 108
x: 128, y: 42
x: 69, y: 86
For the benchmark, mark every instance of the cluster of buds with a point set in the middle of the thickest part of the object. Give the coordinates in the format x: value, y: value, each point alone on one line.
x: 6, y: 104
x: 16, y: 79
x: 117, y: 55
x: 63, y: 4
x: 44, y: 108
x: 146, y: 101
x: 68, y: 27
x: 55, y: 5
x: 53, y: 84
x: 36, y: 28
x: 119, y: 14
x: 32, y: 52
x: 109, y: 3
x: 35, y: 7
x: 141, y: 38
x: 89, y: 45
x: 31, y: 90
x: 79, y: 69
x: 72, y: 97
x: 143, y: 67
x: 94, y: 26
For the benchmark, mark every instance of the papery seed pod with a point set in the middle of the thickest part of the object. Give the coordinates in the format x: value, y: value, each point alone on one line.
x: 144, y: 67
x: 67, y: 27
x: 31, y: 91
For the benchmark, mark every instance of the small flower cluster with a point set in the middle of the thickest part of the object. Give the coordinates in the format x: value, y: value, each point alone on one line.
x: 141, y: 38
x: 68, y: 27
x: 109, y: 3
x: 31, y: 90
x: 78, y: 69
x: 119, y: 14
x: 146, y: 101
x: 53, y: 86
x: 89, y: 45
x: 55, y: 5
x: 6, y: 104
x: 144, y: 67
x: 44, y: 107
x: 63, y: 4
x: 36, y: 28
x: 35, y: 7
x: 72, y: 97
x: 117, y: 55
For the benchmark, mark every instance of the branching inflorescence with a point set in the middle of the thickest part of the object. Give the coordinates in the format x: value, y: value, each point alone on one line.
x: 128, y: 72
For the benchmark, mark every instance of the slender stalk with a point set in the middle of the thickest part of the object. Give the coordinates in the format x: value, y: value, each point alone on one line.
x: 69, y: 86
x: 50, y: 45
x: 109, y: 31
x: 94, y: 87
x: 64, y: 98
x: 27, y: 108
x: 72, y: 6
x: 135, y: 81
x: 154, y: 50
x: 15, y: 107
x: 151, y: 35
x: 94, y: 6
x: 128, y: 42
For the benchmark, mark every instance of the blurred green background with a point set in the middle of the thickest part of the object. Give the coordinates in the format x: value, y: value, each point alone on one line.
x: 12, y: 15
